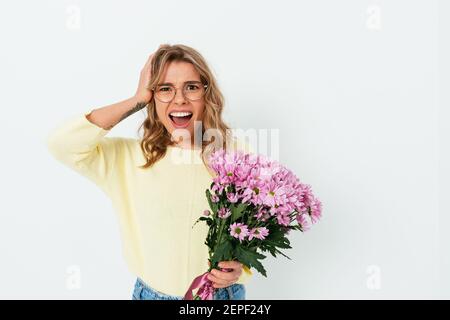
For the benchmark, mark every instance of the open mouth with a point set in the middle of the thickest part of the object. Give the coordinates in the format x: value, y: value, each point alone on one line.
x: 180, y: 119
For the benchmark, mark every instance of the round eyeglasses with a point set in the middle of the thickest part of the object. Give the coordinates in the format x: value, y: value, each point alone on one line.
x: 192, y: 90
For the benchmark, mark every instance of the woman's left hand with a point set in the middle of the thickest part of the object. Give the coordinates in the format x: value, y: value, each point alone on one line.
x: 222, y: 279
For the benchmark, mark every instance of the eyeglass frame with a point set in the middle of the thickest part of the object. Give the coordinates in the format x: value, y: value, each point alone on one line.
x: 176, y: 91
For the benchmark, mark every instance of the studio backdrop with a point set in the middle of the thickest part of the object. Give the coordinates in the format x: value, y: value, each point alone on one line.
x: 347, y: 94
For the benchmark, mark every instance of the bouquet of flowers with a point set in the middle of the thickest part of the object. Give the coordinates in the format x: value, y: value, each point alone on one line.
x: 254, y: 203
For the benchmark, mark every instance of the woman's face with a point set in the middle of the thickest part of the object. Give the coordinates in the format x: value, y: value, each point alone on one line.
x: 175, y: 115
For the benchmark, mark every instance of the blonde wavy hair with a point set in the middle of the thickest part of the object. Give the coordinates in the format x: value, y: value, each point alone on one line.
x: 156, y: 138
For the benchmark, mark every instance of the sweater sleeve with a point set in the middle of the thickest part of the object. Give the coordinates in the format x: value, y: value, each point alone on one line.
x: 82, y: 146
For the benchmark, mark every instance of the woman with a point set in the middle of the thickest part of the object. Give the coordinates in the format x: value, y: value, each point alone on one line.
x: 157, y: 184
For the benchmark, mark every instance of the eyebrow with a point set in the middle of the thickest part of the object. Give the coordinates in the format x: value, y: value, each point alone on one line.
x: 170, y: 83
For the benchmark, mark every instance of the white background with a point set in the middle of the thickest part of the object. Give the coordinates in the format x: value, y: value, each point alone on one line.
x: 356, y: 89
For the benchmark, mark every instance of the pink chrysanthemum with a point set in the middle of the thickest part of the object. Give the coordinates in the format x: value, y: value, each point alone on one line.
x: 316, y: 210
x: 224, y: 213
x: 239, y: 231
x: 264, y: 183
x: 232, y: 197
x: 214, y: 198
x: 304, y: 222
x: 258, y: 233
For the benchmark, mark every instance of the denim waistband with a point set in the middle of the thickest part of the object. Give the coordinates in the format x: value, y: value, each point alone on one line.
x: 148, y: 288
x: 234, y: 292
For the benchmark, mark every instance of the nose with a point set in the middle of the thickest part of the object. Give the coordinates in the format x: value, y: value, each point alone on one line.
x: 179, y: 97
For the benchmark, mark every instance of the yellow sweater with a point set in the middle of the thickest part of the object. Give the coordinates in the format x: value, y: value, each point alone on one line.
x: 156, y: 207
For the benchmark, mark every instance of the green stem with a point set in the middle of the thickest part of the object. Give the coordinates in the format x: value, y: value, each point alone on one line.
x: 250, y: 219
x: 219, y: 238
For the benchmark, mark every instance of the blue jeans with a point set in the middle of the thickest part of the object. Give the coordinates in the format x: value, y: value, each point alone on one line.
x: 142, y: 291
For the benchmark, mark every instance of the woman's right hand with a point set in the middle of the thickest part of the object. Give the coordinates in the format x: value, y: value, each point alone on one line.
x: 143, y: 94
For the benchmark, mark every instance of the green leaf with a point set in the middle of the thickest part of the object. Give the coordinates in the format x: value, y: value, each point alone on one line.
x: 280, y: 244
x: 224, y: 251
x: 212, y: 205
x: 250, y: 258
x: 277, y: 238
x: 273, y: 250
x: 207, y: 219
x: 238, y: 211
